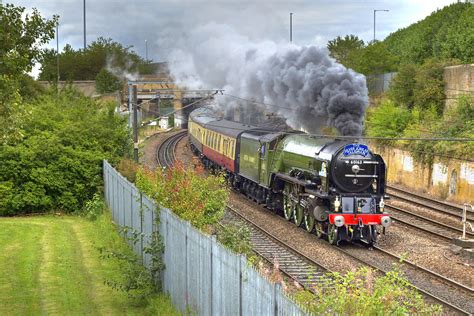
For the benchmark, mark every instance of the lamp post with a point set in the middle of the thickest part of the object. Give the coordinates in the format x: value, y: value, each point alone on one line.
x: 57, y: 50
x: 291, y: 27
x: 146, y: 51
x: 84, y: 24
x: 375, y: 11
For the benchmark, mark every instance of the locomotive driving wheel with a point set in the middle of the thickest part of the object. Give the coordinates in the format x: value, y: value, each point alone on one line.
x: 332, y: 234
x: 299, y: 215
x: 308, y: 222
x: 319, y: 229
x: 288, y: 207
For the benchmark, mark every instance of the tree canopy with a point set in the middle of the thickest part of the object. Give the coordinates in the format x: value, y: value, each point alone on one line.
x: 445, y: 34
x: 21, y: 38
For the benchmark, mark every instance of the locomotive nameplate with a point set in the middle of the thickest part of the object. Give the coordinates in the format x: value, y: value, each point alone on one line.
x: 355, y: 149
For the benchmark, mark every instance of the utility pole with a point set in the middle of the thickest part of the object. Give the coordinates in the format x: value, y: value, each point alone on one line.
x: 146, y: 51
x: 291, y: 27
x: 85, y: 25
x: 57, y: 50
x: 135, y: 124
x: 374, y: 19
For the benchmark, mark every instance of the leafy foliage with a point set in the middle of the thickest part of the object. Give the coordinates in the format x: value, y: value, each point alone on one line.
x: 445, y: 34
x: 106, y: 82
x: 57, y: 165
x: 387, y: 120
x: 419, y: 86
x: 235, y: 237
x: 136, y: 280
x: 341, y: 48
x: 21, y: 38
x: 87, y: 64
x: 362, y: 293
x: 193, y: 197
x: 374, y: 58
x: 390, y: 120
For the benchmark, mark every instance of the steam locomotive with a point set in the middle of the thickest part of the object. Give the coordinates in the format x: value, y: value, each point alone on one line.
x: 330, y: 186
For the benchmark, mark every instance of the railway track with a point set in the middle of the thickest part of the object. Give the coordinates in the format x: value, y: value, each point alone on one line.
x: 458, y: 297
x: 438, y: 206
x: 165, y: 153
x: 423, y: 223
x: 294, y: 264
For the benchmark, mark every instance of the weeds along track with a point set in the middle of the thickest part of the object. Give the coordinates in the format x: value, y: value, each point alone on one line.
x: 165, y: 154
x: 457, y: 297
x: 451, y: 210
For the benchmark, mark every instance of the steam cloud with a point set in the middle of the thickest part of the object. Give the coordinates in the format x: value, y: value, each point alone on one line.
x: 302, y: 84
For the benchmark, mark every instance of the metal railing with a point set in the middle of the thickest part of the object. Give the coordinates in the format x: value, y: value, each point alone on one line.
x: 201, y: 275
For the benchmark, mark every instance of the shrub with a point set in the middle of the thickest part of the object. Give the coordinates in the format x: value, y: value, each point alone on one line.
x: 387, y: 120
x: 193, y: 197
x: 362, y: 293
x: 58, y: 163
x: 235, y: 237
x: 128, y: 168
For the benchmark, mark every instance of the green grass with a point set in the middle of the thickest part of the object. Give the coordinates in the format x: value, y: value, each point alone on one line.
x: 51, y: 265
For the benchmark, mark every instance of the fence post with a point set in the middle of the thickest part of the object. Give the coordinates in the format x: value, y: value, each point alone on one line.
x: 242, y: 262
x: 276, y: 288
x: 213, y: 242
x: 142, y: 234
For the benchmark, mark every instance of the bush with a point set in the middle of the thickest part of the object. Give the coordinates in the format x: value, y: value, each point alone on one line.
x: 387, y: 120
x: 128, y: 168
x: 193, y: 197
x: 362, y: 293
x: 236, y: 237
x: 58, y: 163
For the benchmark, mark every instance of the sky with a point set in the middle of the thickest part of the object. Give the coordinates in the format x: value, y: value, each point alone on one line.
x: 162, y: 23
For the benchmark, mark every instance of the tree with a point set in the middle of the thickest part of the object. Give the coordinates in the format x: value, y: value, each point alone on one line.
x: 373, y: 59
x: 403, y: 85
x: 86, y: 64
x: 21, y: 38
x: 341, y: 48
x: 429, y: 86
x: 105, y: 82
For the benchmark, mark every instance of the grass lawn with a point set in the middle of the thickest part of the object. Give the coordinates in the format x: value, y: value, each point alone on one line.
x: 51, y: 265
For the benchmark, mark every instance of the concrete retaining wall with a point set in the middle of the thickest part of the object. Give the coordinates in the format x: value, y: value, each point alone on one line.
x: 452, y: 179
x: 459, y: 80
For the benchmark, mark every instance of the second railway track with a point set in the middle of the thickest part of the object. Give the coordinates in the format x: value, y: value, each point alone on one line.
x: 165, y: 154
x: 440, y: 207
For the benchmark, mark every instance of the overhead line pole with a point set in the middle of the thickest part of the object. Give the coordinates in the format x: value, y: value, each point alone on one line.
x: 57, y: 50
x: 84, y: 24
x: 135, y: 124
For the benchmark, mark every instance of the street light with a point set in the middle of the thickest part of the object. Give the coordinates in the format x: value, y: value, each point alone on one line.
x: 146, y: 50
x: 291, y: 27
x: 374, y: 19
x: 84, y: 24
